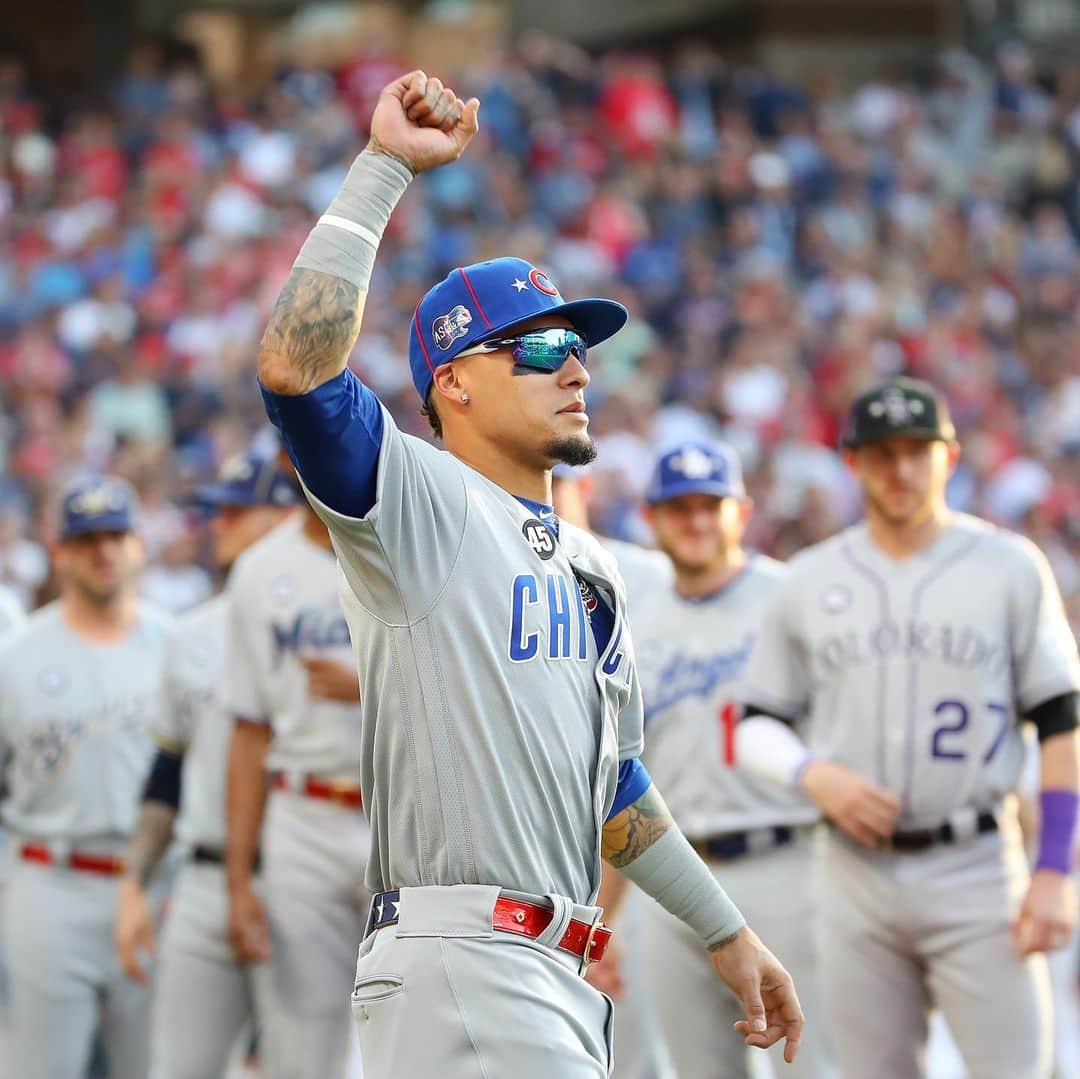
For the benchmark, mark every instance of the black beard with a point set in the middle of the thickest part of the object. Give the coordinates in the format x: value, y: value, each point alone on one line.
x: 573, y: 451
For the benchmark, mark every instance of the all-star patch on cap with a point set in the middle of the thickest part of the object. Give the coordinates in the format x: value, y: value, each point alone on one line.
x: 97, y: 504
x: 697, y: 468
x: 899, y: 408
x: 248, y: 479
x: 473, y: 303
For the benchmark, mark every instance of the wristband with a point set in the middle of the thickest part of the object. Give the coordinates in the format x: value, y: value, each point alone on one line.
x: 344, y: 240
x: 673, y: 874
x: 1057, y: 836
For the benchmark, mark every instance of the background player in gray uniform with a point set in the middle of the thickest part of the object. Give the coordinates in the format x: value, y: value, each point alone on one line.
x: 295, y: 751
x: 502, y: 719
x: 693, y: 637
x: 11, y: 619
x: 203, y: 996
x: 80, y: 686
x: 914, y: 645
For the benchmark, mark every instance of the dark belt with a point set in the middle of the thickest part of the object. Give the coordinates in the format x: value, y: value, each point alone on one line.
x: 726, y: 846
x: 923, y: 838
x: 587, y: 942
x: 205, y: 855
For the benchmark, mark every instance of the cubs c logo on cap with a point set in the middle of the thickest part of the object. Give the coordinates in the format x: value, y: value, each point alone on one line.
x: 541, y: 281
x: 446, y: 329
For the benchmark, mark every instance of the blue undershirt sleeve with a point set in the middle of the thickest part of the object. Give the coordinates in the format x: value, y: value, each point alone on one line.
x: 163, y: 783
x: 634, y: 781
x: 332, y: 436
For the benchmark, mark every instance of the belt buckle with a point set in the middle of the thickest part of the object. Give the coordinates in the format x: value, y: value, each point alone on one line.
x: 586, y: 953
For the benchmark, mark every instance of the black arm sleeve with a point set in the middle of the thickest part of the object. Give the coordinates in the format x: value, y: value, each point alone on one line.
x: 163, y: 783
x: 749, y: 710
x: 1055, y: 716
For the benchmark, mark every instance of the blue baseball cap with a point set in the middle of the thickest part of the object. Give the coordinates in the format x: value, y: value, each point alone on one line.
x: 473, y: 303
x: 97, y: 504
x: 248, y: 479
x: 697, y: 468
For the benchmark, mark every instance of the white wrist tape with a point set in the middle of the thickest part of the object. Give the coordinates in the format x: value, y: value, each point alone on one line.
x: 673, y: 874
x: 344, y: 240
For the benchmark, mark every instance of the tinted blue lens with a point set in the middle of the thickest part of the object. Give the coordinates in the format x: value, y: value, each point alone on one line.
x: 548, y: 350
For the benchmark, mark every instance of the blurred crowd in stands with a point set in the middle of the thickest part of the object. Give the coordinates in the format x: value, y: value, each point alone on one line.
x: 779, y: 246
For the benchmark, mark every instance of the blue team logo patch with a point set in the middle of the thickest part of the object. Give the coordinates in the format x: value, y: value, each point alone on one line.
x: 539, y: 537
x: 446, y: 329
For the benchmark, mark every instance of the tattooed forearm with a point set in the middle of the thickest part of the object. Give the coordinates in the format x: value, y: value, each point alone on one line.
x: 153, y: 834
x: 311, y: 332
x: 631, y: 832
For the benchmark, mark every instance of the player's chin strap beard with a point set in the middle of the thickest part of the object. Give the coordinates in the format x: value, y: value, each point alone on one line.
x: 572, y: 451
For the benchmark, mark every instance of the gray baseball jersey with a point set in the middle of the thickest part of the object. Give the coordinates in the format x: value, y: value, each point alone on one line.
x: 914, y: 673
x: 643, y: 569
x: 12, y: 615
x: 691, y: 655
x: 284, y: 606
x: 492, y: 730
x: 75, y: 725
x: 195, y: 720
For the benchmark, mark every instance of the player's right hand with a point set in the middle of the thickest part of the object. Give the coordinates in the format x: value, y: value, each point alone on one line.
x: 422, y: 123
x: 133, y: 933
x: 249, y: 929
x: 860, y: 809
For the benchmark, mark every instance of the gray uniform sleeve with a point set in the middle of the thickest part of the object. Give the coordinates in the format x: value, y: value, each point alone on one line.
x: 400, y: 554
x: 777, y: 677
x: 1044, y: 653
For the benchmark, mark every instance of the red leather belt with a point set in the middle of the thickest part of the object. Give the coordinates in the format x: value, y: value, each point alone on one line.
x: 108, y: 865
x: 328, y: 790
x: 587, y: 942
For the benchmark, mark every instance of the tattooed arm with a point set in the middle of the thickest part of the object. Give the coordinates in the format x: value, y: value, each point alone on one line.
x: 638, y: 826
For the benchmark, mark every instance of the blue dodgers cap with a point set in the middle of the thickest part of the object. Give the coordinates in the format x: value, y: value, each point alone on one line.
x: 476, y: 302
x: 697, y: 468
x: 248, y: 479
x: 97, y: 504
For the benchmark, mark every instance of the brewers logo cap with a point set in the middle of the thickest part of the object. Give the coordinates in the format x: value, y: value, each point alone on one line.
x: 473, y: 303
x: 697, y: 468
x: 248, y: 479
x: 899, y: 408
x: 97, y: 504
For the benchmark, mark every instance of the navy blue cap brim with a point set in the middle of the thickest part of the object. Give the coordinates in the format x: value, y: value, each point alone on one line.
x: 215, y: 496
x: 114, y: 522
x: 693, y: 487
x: 595, y: 319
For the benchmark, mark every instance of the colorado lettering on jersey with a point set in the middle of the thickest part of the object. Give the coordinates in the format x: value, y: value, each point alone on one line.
x: 311, y: 628
x: 44, y: 747
x: 687, y: 675
x: 963, y: 647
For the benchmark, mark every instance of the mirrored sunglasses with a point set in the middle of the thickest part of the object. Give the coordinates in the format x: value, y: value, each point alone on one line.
x: 542, y: 350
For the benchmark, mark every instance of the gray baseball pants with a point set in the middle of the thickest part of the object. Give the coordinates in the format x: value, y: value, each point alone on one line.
x: 902, y: 932
x: 443, y: 994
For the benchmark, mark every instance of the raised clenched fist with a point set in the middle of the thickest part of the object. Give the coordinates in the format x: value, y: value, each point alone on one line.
x: 422, y: 123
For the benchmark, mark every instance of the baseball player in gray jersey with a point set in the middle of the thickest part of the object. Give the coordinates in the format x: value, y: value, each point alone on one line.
x: 80, y: 686
x: 203, y: 997
x: 693, y: 639
x: 295, y: 756
x: 914, y: 645
x: 11, y: 619
x: 502, y: 719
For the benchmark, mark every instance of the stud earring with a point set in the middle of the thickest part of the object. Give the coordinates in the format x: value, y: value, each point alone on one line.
x: 465, y: 398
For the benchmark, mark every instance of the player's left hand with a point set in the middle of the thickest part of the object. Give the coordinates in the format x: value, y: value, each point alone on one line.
x: 1047, y: 917
x: 766, y: 990
x: 607, y: 974
x: 133, y: 932
x: 329, y: 680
